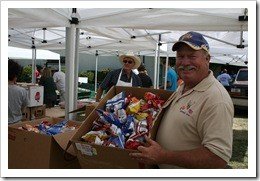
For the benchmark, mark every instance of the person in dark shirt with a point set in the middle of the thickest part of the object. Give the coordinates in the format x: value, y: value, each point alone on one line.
x: 146, y: 80
x: 46, y: 80
x: 122, y: 77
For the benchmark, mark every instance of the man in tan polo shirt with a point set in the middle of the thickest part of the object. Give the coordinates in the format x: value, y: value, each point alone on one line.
x: 196, y: 129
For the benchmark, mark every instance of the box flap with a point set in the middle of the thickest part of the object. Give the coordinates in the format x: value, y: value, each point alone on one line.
x: 63, y: 139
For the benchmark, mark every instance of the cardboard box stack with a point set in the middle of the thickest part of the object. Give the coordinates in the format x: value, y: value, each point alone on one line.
x: 30, y: 150
x: 36, y: 108
x: 35, y: 93
x: 98, y: 156
x: 31, y: 113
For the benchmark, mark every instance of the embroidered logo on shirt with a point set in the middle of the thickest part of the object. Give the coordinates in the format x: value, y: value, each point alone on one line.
x: 186, y: 109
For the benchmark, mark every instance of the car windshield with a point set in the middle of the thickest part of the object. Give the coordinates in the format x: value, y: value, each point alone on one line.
x: 243, y: 75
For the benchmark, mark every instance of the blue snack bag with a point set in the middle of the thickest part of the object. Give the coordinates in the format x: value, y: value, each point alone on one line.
x: 56, y: 128
x: 109, y: 118
x: 116, y: 103
x: 128, y: 127
x: 118, y: 141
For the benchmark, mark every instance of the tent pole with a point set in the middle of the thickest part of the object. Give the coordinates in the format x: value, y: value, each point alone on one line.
x: 59, y: 65
x: 70, y: 55
x: 166, y: 69
x: 96, y: 71
x: 76, y: 72
x: 33, y: 64
x: 158, y: 61
x: 155, y: 69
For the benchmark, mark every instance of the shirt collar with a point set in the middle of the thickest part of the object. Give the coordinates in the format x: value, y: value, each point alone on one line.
x: 124, y: 72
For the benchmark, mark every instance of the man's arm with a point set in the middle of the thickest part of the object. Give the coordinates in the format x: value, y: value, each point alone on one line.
x: 197, y: 158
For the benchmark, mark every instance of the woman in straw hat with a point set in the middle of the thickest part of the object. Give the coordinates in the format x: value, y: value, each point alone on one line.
x: 122, y: 77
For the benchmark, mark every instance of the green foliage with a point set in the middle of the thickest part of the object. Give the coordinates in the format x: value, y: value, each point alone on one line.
x: 26, y: 75
x: 89, y: 74
x: 102, y: 74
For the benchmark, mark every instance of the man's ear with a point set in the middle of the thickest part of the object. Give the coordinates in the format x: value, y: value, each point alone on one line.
x: 208, y: 58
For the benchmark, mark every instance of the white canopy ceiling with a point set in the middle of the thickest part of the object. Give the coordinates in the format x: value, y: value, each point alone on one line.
x: 113, y: 31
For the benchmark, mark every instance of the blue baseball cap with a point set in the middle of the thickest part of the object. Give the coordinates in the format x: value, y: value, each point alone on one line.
x: 195, y: 40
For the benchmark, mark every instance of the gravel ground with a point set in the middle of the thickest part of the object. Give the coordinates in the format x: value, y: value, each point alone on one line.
x: 239, y: 158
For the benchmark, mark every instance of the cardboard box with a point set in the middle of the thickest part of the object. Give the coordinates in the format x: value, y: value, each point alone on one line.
x: 31, y: 113
x: 96, y: 156
x: 84, y: 112
x: 38, y: 112
x: 29, y: 150
x: 26, y: 114
x: 35, y: 95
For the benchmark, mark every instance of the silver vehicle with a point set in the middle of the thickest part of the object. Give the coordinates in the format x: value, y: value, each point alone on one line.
x: 239, y: 89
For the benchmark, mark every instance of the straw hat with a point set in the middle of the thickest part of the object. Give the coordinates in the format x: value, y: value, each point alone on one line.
x: 136, y: 59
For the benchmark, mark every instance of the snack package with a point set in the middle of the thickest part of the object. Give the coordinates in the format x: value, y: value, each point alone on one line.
x: 95, y: 137
x: 129, y: 126
x: 149, y: 96
x: 109, y: 117
x: 116, y: 103
x: 117, y: 141
x: 133, y: 107
x: 125, y: 121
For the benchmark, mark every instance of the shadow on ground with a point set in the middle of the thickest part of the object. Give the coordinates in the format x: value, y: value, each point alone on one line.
x: 241, y: 112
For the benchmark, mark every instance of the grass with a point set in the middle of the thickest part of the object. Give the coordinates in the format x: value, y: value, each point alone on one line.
x: 239, y: 158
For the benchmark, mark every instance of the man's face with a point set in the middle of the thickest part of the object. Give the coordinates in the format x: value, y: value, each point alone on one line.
x: 192, y: 66
x: 128, y: 63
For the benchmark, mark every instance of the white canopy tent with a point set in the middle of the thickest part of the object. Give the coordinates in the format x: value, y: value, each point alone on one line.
x: 22, y: 53
x: 113, y: 31
x: 116, y: 31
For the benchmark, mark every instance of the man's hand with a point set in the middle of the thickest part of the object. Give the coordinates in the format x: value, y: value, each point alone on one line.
x: 151, y: 154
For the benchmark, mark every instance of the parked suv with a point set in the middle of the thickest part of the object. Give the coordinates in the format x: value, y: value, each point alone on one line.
x: 239, y: 88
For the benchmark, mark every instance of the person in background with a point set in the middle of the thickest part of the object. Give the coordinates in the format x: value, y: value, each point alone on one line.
x: 17, y: 96
x: 146, y: 80
x: 123, y: 76
x: 196, y: 128
x: 38, y: 72
x: 59, y: 79
x: 225, y: 79
x: 233, y: 75
x: 171, y: 76
x: 49, y: 94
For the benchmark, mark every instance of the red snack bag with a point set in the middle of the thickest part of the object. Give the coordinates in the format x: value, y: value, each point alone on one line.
x: 149, y: 119
x: 149, y: 96
x: 131, y: 144
x: 158, y: 103
x: 145, y: 107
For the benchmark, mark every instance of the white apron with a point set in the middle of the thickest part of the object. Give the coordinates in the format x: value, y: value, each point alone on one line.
x: 122, y: 83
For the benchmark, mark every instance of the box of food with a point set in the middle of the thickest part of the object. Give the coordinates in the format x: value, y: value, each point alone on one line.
x: 98, y: 156
x: 28, y: 149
